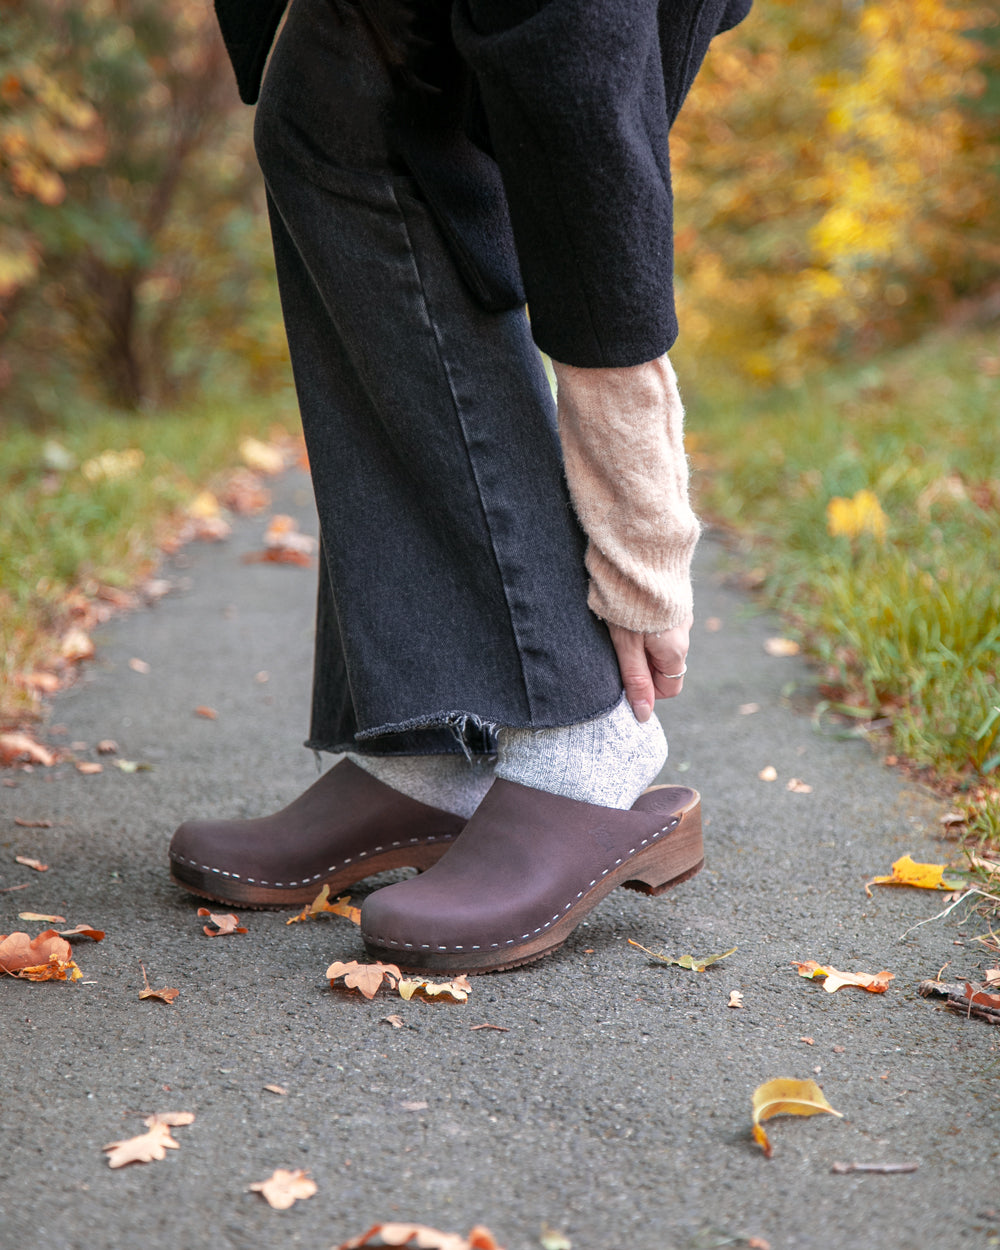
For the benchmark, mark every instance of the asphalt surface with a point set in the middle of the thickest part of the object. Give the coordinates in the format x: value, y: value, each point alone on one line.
x: 615, y: 1108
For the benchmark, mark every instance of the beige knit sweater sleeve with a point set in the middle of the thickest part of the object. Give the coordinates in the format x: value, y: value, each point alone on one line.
x: 622, y: 433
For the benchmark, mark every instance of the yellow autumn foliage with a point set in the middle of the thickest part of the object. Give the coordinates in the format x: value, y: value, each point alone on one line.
x: 836, y: 181
x: 861, y: 514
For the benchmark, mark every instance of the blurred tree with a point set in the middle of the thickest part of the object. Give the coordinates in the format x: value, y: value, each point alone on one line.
x: 840, y: 161
x: 151, y: 253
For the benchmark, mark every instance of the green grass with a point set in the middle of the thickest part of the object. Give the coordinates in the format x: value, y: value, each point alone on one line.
x: 66, y: 534
x: 906, y: 626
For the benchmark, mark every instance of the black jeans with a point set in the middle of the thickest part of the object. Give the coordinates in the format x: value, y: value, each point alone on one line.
x: 452, y: 593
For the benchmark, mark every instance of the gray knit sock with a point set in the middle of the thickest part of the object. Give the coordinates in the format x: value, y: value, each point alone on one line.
x: 450, y: 782
x: 608, y: 761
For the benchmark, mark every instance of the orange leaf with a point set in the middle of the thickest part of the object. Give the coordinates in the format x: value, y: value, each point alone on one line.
x: 31, y: 863
x: 163, y: 996
x: 873, y: 982
x: 18, y: 746
x: 89, y: 769
x: 420, y: 1237
x: 321, y: 904
x: 223, y: 924
x: 367, y: 978
x: 282, y: 1188
x: 83, y: 930
x: 45, y: 958
x: 207, y: 713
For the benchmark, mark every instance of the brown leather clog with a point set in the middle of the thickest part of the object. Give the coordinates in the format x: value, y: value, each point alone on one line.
x: 527, y: 868
x: 346, y: 826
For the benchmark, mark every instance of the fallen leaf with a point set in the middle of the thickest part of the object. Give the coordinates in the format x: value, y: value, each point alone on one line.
x: 367, y: 978
x: 885, y: 1169
x: 203, y: 507
x: 420, y: 1237
x: 981, y: 997
x: 20, y: 746
x: 277, y: 1089
x: 735, y: 999
x: 552, y: 1239
x: 283, y: 1188
x: 758, y: 1243
x: 138, y: 666
x: 874, y: 982
x: 283, y: 532
x: 223, y: 924
x: 263, y: 457
x: 798, y: 787
x: 107, y: 746
x: 321, y: 905
x: 132, y: 766
x: 207, y: 713
x: 786, y: 1096
x: 905, y: 871
x: 499, y: 1027
x: 151, y: 1145
x: 781, y: 646
x: 76, y: 645
x: 748, y: 709
x: 397, y: 1022
x: 458, y: 990
x: 31, y: 863
x: 32, y: 824
x: 690, y: 962
x: 163, y: 996
x: 82, y: 930
x: 244, y: 493
x: 40, y: 915
x: 950, y: 819
x: 278, y: 555
x: 992, y: 976
x: 713, y: 624
x: 809, y: 1041
x: 770, y: 773
x: 44, y: 683
x: 89, y: 769
x: 46, y: 957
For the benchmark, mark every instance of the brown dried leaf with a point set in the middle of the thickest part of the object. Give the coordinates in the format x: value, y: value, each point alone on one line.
x: 278, y: 555
x: 223, y: 924
x: 76, y: 645
x: 166, y: 995
x: 31, y: 863
x: 735, y: 999
x: 138, y: 666
x: 321, y: 904
x: 207, y: 713
x: 277, y: 1089
x: 244, y: 493
x: 498, y: 1027
x: 367, y: 978
x: 89, y: 769
x: 82, y: 930
x: 282, y: 1188
x: 46, y: 957
x: 32, y: 824
x: 107, y: 746
x: 172, y: 1119
x: 873, y: 982
x: 21, y: 746
x: 397, y: 1022
x: 798, y: 787
x: 420, y: 1237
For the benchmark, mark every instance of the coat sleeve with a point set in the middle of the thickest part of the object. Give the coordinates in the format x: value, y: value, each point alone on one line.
x: 579, y: 97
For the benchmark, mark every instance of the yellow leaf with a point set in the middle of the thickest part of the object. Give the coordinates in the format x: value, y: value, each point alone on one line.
x: 786, y: 1096
x: 873, y: 982
x: 458, y: 990
x: 862, y: 514
x: 691, y: 962
x: 906, y: 871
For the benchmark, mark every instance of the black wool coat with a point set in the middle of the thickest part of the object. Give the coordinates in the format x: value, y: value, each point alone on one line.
x: 546, y: 157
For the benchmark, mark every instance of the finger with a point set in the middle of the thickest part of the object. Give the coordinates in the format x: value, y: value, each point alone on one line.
x: 634, y: 666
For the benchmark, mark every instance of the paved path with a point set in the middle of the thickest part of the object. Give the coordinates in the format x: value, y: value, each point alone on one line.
x: 615, y: 1107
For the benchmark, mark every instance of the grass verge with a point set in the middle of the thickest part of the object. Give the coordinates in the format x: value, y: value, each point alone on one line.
x: 87, y: 507
x: 869, y: 501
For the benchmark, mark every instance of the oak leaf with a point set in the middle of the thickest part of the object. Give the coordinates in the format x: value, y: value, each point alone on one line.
x: 690, y: 962
x: 873, y: 982
x: 46, y: 957
x: 31, y: 863
x: 223, y: 924
x: 282, y: 1188
x: 786, y: 1096
x: 906, y: 871
x: 367, y: 978
x: 150, y: 1145
x: 420, y: 1237
x: 321, y: 904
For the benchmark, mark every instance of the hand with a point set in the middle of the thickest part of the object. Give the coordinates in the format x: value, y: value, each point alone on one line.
x: 646, y: 662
